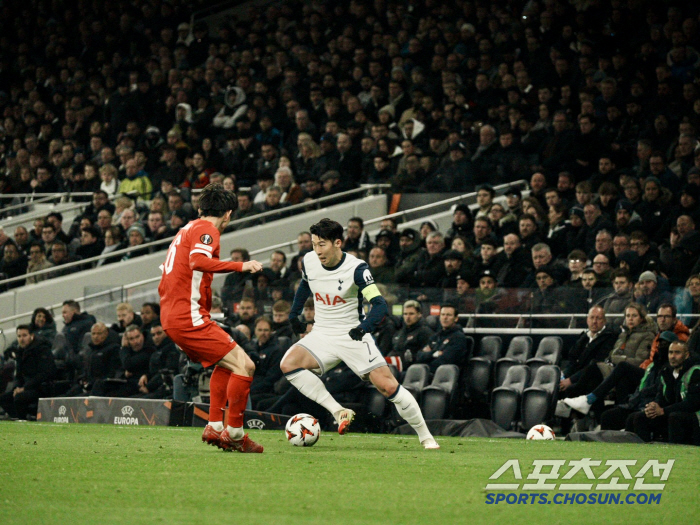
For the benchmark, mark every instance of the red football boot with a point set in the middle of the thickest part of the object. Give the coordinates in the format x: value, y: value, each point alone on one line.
x: 345, y: 418
x: 245, y: 445
x: 212, y: 437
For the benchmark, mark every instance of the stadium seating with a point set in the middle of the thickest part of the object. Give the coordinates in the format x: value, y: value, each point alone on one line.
x: 518, y: 352
x: 59, y: 349
x: 437, y: 399
x: 416, y: 378
x: 479, y: 371
x: 540, y: 398
x: 548, y: 353
x: 284, y: 342
x: 505, y: 399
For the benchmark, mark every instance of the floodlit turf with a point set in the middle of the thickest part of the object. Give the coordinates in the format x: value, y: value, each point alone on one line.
x: 86, y: 474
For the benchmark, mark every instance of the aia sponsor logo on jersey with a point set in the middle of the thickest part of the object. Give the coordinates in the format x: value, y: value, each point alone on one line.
x: 326, y: 299
x: 206, y: 239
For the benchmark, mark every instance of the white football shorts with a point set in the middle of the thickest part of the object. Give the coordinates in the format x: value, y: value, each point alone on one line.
x: 330, y: 349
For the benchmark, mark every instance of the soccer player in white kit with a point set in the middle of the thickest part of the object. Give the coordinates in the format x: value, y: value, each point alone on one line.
x: 337, y: 281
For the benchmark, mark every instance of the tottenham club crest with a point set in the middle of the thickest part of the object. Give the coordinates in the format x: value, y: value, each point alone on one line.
x: 206, y: 239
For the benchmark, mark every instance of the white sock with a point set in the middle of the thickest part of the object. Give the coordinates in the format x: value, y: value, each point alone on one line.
x: 408, y: 409
x: 217, y: 425
x: 312, y: 387
x: 235, y: 433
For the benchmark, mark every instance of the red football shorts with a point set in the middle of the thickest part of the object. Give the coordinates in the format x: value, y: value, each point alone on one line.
x: 206, y: 344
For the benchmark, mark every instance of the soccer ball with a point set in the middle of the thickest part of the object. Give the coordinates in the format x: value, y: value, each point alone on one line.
x: 302, y: 430
x: 540, y: 432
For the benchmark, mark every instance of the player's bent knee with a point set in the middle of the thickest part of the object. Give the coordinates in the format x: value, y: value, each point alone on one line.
x: 384, y: 380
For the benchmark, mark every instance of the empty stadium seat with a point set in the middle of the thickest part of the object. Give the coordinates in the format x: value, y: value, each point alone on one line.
x: 376, y: 406
x: 416, y: 378
x: 539, y: 399
x: 284, y: 342
x: 433, y: 322
x: 479, y: 371
x: 437, y: 399
x: 548, y: 353
x: 59, y: 348
x: 519, y: 351
x: 87, y: 339
x: 505, y: 399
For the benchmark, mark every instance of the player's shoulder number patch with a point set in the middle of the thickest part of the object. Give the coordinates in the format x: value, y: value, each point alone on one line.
x: 206, y: 239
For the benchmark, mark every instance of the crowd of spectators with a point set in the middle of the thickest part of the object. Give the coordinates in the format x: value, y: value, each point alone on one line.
x: 596, y: 105
x: 301, y: 100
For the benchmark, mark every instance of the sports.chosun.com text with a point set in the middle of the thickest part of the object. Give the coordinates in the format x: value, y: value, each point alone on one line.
x: 573, y: 498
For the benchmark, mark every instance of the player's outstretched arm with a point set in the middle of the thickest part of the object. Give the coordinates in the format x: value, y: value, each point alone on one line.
x: 252, y: 266
x: 205, y: 263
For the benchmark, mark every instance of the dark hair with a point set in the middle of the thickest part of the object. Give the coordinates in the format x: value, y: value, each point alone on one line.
x: 621, y: 272
x: 284, y: 257
x: 449, y: 305
x: 26, y: 327
x: 244, y: 253
x: 328, y: 229
x: 357, y: 220
x: 674, y: 310
x: 72, y: 303
x: 215, y: 201
x: 154, y: 306
x: 40, y: 310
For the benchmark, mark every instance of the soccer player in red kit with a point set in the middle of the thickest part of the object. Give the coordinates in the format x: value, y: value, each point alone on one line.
x: 185, y: 302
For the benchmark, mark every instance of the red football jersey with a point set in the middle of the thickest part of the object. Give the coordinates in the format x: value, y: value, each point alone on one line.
x: 185, y: 284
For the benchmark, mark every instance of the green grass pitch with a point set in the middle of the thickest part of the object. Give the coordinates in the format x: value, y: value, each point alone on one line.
x: 86, y: 474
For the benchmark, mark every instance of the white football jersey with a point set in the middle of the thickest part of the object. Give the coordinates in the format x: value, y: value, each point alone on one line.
x: 337, y: 291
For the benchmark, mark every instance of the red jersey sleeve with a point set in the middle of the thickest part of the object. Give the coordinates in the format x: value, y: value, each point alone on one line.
x: 185, y: 287
x: 204, y: 251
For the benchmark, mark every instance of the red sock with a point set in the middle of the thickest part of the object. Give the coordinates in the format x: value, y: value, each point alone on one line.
x: 237, y: 392
x: 217, y: 393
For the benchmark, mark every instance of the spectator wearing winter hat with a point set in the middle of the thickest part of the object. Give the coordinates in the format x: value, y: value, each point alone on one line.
x: 178, y: 219
x: 652, y: 296
x: 576, y: 232
x: 455, y: 265
x: 389, y: 242
x: 461, y: 223
x: 136, y: 236
x: 627, y: 219
x: 687, y: 205
x: 409, y: 251
x: 514, y: 201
